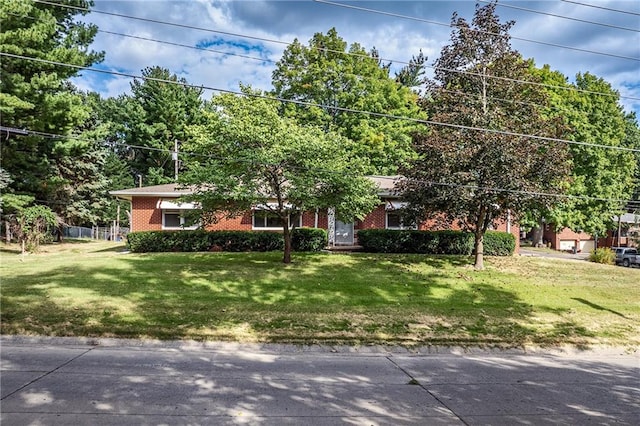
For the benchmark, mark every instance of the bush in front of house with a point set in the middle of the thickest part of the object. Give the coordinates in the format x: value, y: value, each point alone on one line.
x: 498, y: 243
x: 411, y: 241
x: 434, y: 242
x: 603, y: 255
x: 303, y: 239
x: 309, y: 239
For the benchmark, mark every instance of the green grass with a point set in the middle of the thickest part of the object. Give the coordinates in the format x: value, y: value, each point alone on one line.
x: 90, y: 289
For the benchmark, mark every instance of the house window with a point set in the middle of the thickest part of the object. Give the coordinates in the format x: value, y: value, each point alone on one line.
x: 264, y: 219
x: 394, y: 221
x: 175, y: 219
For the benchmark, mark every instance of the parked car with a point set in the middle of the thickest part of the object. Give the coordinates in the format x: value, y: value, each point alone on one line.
x: 627, y: 256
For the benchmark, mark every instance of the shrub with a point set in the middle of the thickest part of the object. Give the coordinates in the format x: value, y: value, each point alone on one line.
x: 433, y: 242
x: 380, y: 240
x: 499, y: 243
x: 32, y: 226
x: 309, y: 239
x: 233, y: 241
x: 603, y: 255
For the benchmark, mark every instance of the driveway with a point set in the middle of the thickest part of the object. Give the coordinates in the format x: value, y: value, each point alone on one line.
x: 121, y: 382
x: 527, y: 251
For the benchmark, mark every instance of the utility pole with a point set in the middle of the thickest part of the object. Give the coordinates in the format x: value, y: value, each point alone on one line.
x: 175, y: 159
x: 117, y: 231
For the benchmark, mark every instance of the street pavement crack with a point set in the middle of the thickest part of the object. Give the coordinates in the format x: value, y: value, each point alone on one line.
x: 47, y: 373
x: 416, y: 382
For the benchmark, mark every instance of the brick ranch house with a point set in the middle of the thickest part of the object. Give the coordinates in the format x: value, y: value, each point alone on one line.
x: 155, y: 208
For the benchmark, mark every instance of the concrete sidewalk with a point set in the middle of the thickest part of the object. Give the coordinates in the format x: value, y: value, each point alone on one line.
x: 60, y: 381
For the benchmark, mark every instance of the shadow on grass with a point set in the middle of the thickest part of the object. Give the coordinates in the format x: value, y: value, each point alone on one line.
x: 598, y: 307
x: 75, y: 241
x: 396, y: 299
x: 9, y: 249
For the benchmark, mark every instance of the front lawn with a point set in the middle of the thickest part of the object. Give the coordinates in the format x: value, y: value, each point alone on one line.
x: 91, y: 289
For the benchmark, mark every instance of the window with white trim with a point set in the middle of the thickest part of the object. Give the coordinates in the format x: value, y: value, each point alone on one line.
x: 265, y: 219
x: 393, y: 220
x: 176, y: 219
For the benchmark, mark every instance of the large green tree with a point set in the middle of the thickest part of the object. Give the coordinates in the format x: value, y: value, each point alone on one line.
x: 632, y: 139
x: 246, y: 155
x: 151, y: 120
x: 38, y: 98
x: 603, y: 169
x: 479, y: 165
x: 333, y: 77
x: 111, y: 158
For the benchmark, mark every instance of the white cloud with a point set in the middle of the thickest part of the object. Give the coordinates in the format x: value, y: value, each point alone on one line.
x: 395, y: 38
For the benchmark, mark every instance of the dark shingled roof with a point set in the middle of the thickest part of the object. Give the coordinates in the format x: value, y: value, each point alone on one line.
x: 385, y: 185
x: 166, y: 190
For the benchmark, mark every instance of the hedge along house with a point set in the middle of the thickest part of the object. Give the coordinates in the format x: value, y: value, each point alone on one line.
x: 155, y: 208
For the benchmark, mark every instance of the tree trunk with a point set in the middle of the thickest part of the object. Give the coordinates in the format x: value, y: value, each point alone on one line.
x: 287, y: 242
x: 482, y: 222
x: 538, y: 235
x: 479, y: 250
x: 536, y: 239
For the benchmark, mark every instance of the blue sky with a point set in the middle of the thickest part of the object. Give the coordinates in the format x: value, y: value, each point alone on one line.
x: 610, y: 32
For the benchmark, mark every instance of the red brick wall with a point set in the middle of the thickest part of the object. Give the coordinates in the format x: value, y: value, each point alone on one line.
x: 144, y: 214
x: 309, y: 219
x: 374, y: 220
x: 240, y: 223
x: 610, y: 240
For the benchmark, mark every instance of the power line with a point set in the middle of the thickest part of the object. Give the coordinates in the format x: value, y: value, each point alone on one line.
x: 602, y: 7
x: 156, y: 21
x: 472, y: 95
x: 109, y: 144
x: 493, y: 77
x: 516, y: 191
x: 204, y: 49
x: 427, y: 21
x: 571, y: 88
x: 524, y: 9
x: 363, y: 76
x: 170, y: 43
x: 112, y: 145
x: 336, y: 108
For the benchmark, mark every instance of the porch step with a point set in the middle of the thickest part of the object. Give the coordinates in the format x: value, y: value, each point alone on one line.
x: 344, y: 248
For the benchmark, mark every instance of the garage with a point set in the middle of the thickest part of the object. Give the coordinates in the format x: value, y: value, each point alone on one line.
x: 586, y: 246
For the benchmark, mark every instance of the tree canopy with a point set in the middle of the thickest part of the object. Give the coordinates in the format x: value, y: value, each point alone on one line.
x: 246, y: 155
x: 602, y: 177
x: 150, y: 121
x: 330, y: 78
x: 37, y: 97
x: 480, y: 165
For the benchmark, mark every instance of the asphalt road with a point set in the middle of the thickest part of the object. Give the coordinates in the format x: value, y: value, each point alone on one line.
x: 112, y: 382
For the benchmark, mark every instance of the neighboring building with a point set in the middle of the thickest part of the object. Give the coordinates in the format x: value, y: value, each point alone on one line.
x: 628, y: 226
x: 626, y: 234
x: 155, y: 208
x: 568, y: 240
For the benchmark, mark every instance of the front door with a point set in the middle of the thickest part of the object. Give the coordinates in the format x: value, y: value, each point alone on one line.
x: 344, y: 233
